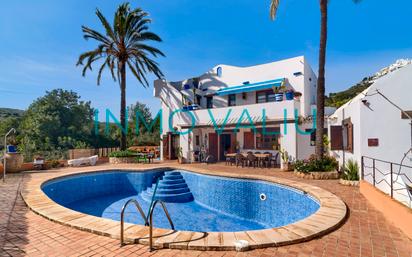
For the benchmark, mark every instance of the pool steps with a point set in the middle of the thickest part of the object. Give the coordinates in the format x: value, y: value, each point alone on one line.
x: 172, y: 188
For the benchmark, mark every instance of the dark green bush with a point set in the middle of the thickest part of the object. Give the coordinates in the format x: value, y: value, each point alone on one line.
x: 326, y: 163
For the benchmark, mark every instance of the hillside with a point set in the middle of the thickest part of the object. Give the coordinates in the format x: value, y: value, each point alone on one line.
x: 8, y: 112
x: 340, y: 98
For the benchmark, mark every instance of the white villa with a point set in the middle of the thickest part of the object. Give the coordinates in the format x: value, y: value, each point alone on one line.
x: 194, y: 108
x: 372, y: 125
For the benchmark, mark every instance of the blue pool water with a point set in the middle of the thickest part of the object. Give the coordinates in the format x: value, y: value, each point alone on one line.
x: 205, y: 203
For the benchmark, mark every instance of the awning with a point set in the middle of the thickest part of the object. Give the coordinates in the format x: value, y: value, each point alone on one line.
x: 250, y: 87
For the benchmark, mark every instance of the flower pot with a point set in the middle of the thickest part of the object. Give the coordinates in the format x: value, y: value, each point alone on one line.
x: 279, y: 97
x: 297, y: 95
x: 289, y: 95
x: 288, y: 167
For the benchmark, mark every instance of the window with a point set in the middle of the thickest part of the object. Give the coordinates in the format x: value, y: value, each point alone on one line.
x: 313, y: 135
x: 336, y: 138
x: 219, y: 71
x: 342, y: 136
x: 260, y: 97
x: 231, y: 101
x: 209, y: 102
x: 197, y: 140
x: 269, y: 141
x: 198, y: 99
x: 265, y: 96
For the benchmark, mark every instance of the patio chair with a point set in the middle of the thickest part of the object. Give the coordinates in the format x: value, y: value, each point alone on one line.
x: 240, y: 159
x: 252, y: 160
x: 83, y: 161
x: 274, y: 160
x: 230, y: 160
x: 150, y: 157
x: 266, y: 161
x: 196, y: 156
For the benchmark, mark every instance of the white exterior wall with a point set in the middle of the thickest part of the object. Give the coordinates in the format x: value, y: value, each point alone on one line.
x: 299, y: 76
x: 310, y: 84
x: 350, y: 111
x: 383, y: 121
x: 304, y: 149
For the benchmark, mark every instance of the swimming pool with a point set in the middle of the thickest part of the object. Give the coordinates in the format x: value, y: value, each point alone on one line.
x: 196, y: 202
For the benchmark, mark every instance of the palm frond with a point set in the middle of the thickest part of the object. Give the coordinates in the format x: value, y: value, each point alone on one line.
x: 90, y: 33
x: 106, y: 25
x: 274, y: 4
x: 124, y: 42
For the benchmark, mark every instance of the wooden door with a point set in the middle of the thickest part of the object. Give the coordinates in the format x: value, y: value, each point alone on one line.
x: 166, y: 153
x: 248, y: 140
x: 233, y: 143
x: 174, y: 142
x: 213, y: 146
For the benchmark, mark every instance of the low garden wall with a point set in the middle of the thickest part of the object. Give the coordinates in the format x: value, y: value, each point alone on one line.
x: 318, y: 175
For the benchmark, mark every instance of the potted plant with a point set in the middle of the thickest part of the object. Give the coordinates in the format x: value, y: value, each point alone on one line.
x: 278, y: 93
x: 297, y: 95
x: 179, y: 154
x: 289, y: 94
x: 350, y: 175
x: 287, y: 165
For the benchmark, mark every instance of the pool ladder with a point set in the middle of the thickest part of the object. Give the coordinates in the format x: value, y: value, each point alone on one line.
x: 147, y: 222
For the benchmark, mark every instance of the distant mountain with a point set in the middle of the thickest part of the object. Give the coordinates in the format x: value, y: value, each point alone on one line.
x: 340, y: 98
x: 9, y: 112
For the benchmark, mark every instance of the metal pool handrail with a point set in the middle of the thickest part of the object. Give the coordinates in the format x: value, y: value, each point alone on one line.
x: 139, y: 208
x: 153, y: 196
x: 151, y: 221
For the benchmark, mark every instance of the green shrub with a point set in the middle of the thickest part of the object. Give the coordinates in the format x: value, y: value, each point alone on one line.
x: 121, y: 154
x: 326, y: 163
x: 351, y: 171
x: 53, y: 164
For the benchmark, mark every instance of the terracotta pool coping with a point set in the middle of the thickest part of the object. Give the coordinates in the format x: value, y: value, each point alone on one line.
x: 331, y: 214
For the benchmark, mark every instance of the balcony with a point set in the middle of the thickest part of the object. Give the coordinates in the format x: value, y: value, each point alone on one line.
x: 273, y: 111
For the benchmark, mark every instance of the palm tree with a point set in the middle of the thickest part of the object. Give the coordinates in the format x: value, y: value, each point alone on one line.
x: 121, y: 46
x: 320, y: 103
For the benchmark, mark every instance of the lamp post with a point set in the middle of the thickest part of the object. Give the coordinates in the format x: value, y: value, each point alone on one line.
x: 5, y: 152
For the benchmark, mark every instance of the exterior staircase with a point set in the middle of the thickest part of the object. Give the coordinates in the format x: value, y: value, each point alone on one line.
x: 172, y: 188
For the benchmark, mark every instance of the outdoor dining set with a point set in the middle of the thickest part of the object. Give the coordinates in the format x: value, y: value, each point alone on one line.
x: 252, y: 159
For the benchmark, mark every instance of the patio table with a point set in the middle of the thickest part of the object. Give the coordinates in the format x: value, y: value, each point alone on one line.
x: 260, y: 156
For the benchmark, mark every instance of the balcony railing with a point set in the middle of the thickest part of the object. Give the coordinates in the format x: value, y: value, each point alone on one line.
x: 271, y: 111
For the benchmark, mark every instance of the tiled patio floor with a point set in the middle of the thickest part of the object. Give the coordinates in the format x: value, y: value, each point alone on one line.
x: 365, y: 233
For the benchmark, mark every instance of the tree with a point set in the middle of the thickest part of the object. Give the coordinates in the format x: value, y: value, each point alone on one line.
x: 57, y: 120
x: 5, y: 125
x: 142, y: 136
x: 122, y: 46
x: 320, y: 103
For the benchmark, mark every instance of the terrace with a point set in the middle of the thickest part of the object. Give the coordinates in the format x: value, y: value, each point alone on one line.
x: 365, y: 232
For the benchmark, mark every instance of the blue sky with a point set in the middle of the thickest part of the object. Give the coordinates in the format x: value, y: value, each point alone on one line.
x: 41, y: 40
